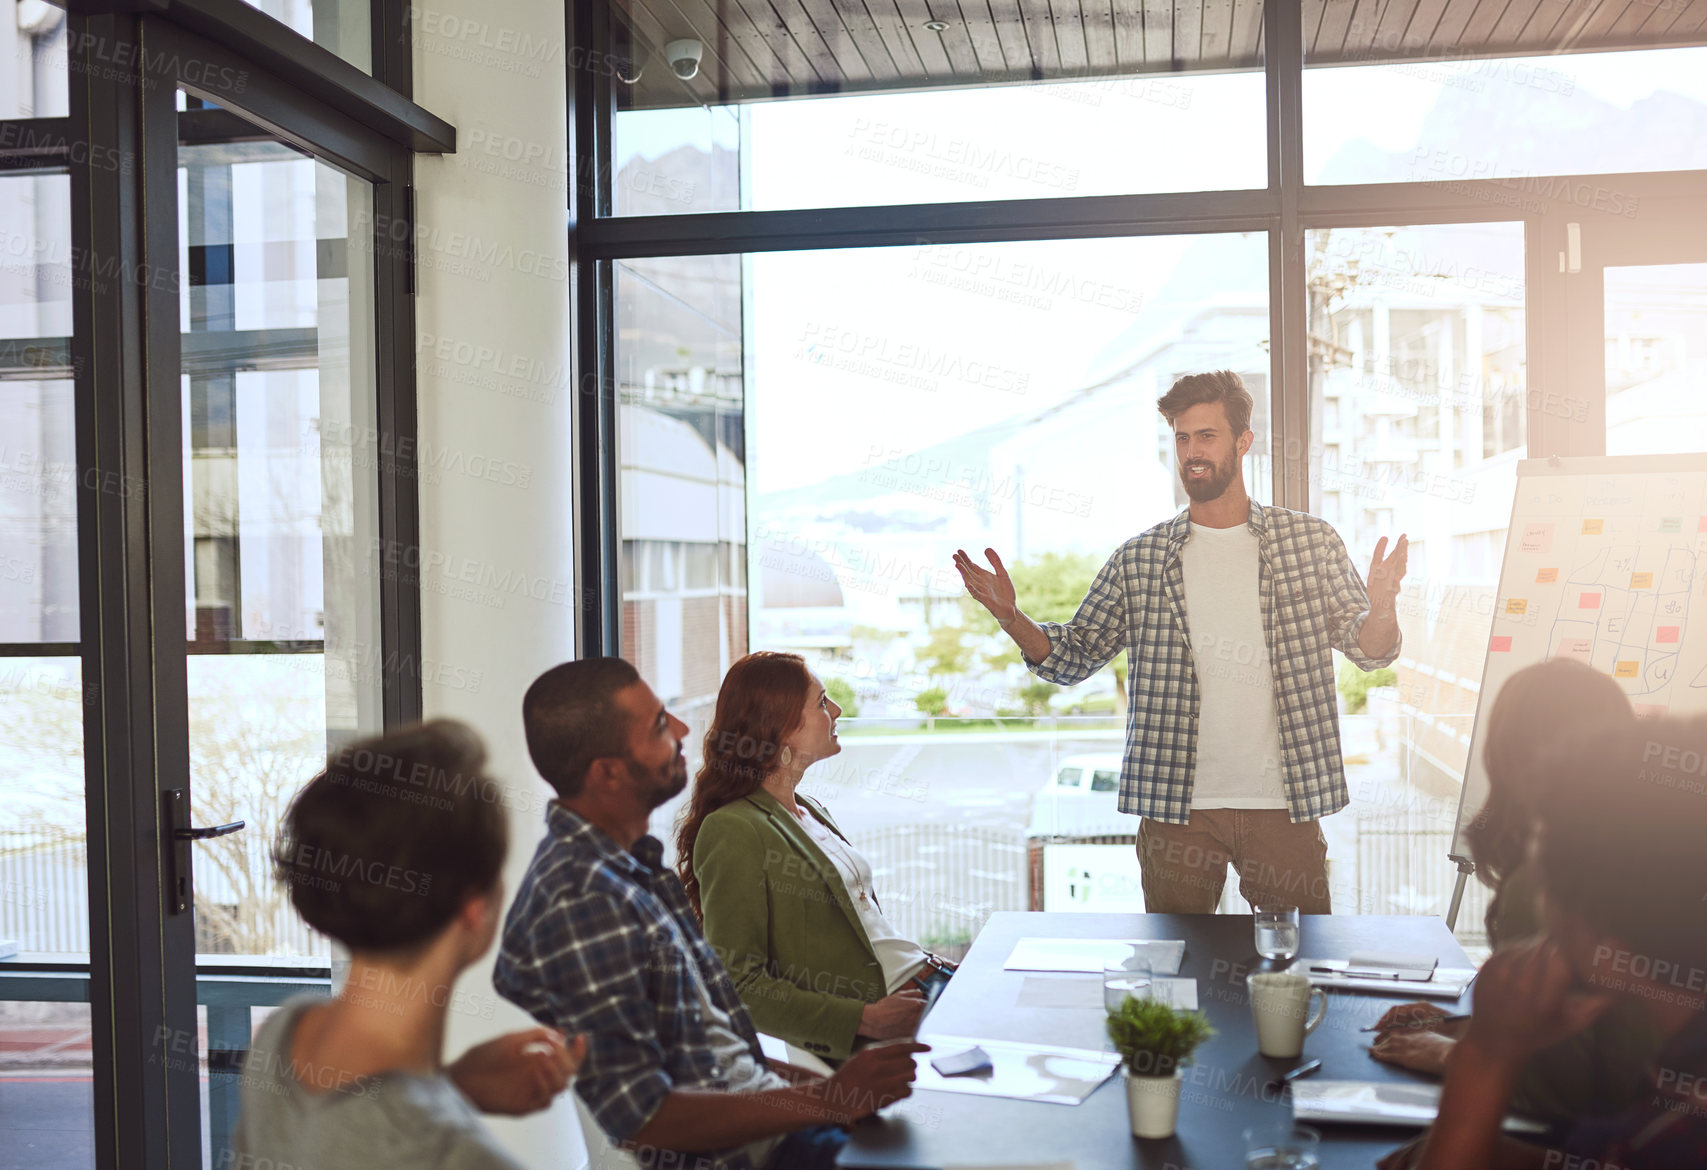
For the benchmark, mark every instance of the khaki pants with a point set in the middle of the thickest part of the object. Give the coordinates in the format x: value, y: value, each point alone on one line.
x: 1278, y: 861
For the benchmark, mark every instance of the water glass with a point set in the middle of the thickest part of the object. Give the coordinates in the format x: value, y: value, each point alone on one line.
x: 1129, y: 977
x: 1282, y: 1145
x: 1277, y: 931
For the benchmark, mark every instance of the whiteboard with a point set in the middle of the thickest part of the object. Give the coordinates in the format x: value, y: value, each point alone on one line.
x: 1605, y: 562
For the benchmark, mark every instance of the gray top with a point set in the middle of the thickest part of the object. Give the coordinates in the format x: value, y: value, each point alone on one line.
x: 301, y: 1116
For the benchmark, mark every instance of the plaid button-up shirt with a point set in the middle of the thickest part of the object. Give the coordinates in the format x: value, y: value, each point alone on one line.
x: 1313, y: 601
x: 602, y: 940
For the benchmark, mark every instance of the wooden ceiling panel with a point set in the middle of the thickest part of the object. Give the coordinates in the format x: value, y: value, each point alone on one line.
x: 1017, y: 48
x: 1247, y: 31
x: 761, y: 49
x: 1188, y: 30
x: 1159, y: 34
x: 855, y: 24
x: 1101, y: 55
x: 932, y: 52
x: 1449, y: 30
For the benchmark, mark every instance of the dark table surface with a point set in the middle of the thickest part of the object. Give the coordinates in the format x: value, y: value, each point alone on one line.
x: 1225, y: 1090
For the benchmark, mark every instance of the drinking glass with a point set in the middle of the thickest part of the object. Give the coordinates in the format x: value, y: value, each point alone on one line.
x: 1277, y: 931
x: 1282, y: 1145
x: 1129, y: 977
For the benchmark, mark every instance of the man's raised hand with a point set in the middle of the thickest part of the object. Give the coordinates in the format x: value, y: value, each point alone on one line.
x: 1385, y: 574
x: 994, y: 591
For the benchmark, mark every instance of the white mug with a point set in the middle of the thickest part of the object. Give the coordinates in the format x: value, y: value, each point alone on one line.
x: 1280, y: 1006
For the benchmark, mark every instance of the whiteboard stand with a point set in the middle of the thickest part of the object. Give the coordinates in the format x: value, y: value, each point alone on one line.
x: 1466, y: 867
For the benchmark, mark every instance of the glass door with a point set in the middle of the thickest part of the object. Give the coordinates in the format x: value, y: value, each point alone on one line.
x: 245, y: 443
x: 280, y: 543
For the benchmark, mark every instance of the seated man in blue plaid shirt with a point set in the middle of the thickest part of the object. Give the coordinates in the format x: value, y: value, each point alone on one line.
x: 601, y: 941
x: 1228, y: 614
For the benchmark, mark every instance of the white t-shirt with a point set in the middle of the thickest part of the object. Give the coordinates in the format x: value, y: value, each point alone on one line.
x: 742, y: 1073
x: 1238, y: 729
x: 900, y: 958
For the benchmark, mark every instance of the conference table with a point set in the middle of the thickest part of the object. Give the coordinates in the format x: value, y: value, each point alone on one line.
x: 1230, y: 1086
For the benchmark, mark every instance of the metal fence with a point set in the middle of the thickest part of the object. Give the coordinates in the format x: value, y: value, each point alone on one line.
x: 44, y: 904
x: 940, y: 882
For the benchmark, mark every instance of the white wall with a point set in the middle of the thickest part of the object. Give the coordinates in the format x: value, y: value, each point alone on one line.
x: 492, y: 318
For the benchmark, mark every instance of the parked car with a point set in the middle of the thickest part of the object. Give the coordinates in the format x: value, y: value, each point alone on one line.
x: 1079, y: 800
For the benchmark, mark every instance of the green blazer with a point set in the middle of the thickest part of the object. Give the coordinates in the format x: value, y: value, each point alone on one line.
x: 779, y: 916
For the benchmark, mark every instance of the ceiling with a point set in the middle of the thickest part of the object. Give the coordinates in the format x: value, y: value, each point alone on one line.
x: 757, y: 50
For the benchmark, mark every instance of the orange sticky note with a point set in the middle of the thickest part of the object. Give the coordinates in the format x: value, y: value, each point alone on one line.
x: 1516, y: 605
x: 1546, y: 576
x: 1626, y: 668
x: 1641, y: 580
x: 1500, y: 643
x: 1593, y: 527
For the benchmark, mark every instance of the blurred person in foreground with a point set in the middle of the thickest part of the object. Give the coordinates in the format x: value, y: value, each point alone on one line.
x: 396, y: 850
x: 1624, y: 892
x: 601, y: 940
x: 1228, y: 614
x: 788, y: 903
x: 1540, y: 712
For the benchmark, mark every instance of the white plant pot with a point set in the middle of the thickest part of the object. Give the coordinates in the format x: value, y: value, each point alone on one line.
x: 1153, y: 1103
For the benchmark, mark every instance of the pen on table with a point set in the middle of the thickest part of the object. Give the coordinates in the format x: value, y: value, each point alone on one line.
x: 1302, y: 1070
x: 1428, y: 1023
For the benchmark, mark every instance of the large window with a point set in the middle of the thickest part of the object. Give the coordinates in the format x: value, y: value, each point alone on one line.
x: 1512, y: 95
x: 976, y: 105
x: 944, y: 352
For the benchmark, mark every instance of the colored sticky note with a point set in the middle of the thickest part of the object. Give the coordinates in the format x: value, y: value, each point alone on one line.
x: 1516, y: 605
x: 1641, y: 580
x: 1671, y: 524
x: 1593, y: 527
x: 1589, y: 601
x: 1500, y: 643
x: 1626, y: 668
x: 1667, y: 633
x: 1537, y: 538
x: 1701, y: 524
x: 1577, y: 648
x: 1648, y: 710
x: 1546, y: 576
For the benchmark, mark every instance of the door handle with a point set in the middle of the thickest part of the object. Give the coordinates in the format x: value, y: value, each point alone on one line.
x: 180, y: 832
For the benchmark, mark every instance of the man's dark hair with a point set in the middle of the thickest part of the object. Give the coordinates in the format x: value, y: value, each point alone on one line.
x: 1223, y: 386
x: 571, y: 718
x: 1623, y: 842
x: 385, y: 846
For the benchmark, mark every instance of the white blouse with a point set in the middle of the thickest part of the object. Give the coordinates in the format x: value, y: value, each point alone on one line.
x: 901, y: 958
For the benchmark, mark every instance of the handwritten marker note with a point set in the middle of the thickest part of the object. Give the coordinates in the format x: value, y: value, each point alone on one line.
x: 1671, y: 524
x: 1546, y: 576
x: 1666, y: 633
x: 1641, y: 580
x: 1589, y: 601
x: 1578, y: 648
x: 1500, y: 643
x: 1626, y: 668
x: 1537, y: 538
x: 1516, y: 605
x: 1593, y: 527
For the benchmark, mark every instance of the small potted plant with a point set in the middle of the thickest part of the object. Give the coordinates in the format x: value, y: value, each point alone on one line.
x: 1155, y: 1042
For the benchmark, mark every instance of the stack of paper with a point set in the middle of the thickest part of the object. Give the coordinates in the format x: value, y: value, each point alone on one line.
x: 1379, y: 1103
x: 1091, y: 955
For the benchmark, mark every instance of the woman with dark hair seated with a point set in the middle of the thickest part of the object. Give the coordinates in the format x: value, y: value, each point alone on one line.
x: 1541, y: 717
x: 786, y: 899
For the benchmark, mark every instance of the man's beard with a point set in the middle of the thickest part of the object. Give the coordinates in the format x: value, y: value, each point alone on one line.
x: 1214, y: 484
x: 662, y: 784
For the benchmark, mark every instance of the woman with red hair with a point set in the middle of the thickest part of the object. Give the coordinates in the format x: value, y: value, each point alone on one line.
x: 786, y: 899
